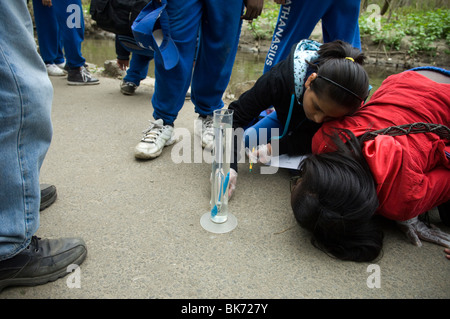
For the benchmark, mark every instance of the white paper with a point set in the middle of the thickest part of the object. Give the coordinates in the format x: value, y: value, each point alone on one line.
x: 286, y: 161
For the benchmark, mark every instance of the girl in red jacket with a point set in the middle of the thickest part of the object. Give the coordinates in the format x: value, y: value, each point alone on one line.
x: 398, y: 173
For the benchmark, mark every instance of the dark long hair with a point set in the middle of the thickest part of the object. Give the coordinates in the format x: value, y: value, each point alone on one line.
x: 336, y: 200
x: 341, y: 75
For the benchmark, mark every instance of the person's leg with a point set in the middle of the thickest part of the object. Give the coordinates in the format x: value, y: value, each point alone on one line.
x: 49, y: 41
x: 137, y: 72
x: 60, y: 58
x: 25, y: 128
x: 221, y: 27
x: 171, y: 85
x: 138, y: 69
x: 69, y: 14
x: 25, y: 133
x: 340, y: 22
x: 217, y: 48
x: 296, y: 21
x: 47, y: 31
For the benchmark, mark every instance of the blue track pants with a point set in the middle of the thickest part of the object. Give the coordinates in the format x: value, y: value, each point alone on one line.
x: 60, y: 28
x: 297, y: 19
x: 216, y: 24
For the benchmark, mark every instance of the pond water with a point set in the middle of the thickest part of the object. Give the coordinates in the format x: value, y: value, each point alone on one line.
x: 247, y: 66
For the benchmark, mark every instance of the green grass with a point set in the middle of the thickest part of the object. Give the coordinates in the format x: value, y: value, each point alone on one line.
x: 423, y: 26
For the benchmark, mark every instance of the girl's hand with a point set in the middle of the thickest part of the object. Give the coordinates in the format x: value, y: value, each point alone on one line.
x: 253, y: 9
x: 447, y: 253
x: 416, y: 230
x: 262, y: 154
x: 123, y: 64
x: 232, y: 182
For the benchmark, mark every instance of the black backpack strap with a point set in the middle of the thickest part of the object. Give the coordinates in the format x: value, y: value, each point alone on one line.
x: 414, y: 128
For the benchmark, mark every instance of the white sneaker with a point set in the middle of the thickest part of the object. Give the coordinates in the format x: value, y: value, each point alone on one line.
x: 206, y: 131
x: 53, y: 70
x: 61, y: 65
x: 155, y: 138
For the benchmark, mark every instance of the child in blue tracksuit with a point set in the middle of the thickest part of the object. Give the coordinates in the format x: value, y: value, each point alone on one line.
x: 60, y: 26
x: 220, y: 23
x: 297, y: 19
x: 214, y: 52
x: 138, y: 64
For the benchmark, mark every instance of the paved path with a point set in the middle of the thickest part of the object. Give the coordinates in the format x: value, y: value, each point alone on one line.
x: 141, y: 220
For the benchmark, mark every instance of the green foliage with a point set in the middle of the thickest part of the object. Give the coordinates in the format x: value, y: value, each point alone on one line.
x: 422, y: 27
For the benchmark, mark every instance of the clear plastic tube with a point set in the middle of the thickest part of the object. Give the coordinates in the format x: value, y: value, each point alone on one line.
x: 223, y: 134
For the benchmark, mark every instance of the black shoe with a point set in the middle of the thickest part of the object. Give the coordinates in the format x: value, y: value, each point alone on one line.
x: 44, y: 260
x: 128, y: 88
x: 81, y: 76
x: 48, y: 195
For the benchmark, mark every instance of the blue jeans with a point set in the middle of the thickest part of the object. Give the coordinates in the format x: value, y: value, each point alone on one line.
x: 56, y: 30
x: 220, y: 26
x: 26, y: 95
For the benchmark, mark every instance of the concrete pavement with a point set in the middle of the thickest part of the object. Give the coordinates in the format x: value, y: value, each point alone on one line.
x: 141, y: 221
